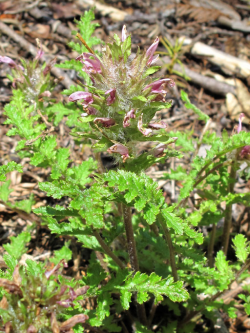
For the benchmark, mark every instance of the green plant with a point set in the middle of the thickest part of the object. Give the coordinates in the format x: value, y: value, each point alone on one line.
x: 34, y: 297
x: 153, y: 252
x: 175, y: 52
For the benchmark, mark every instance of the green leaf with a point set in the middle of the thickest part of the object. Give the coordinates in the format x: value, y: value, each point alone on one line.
x: 144, y: 284
x: 103, y: 307
x: 17, y: 246
x: 25, y: 205
x: 34, y: 268
x: 150, y: 71
x: 222, y: 263
x: 5, y: 191
x: 241, y: 247
x: 11, y: 166
x: 172, y: 220
x: 125, y: 299
x: 189, y: 105
x: 61, y: 163
x: 139, y: 189
x: 64, y: 253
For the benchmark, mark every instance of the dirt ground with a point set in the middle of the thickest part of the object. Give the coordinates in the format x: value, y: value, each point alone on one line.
x: 208, y: 56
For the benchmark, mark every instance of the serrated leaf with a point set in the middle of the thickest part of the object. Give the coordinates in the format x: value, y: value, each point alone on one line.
x: 138, y: 189
x: 125, y: 299
x: 11, y: 166
x: 17, y: 246
x: 5, y: 191
x: 34, y: 268
x: 241, y: 247
x: 189, y: 105
x: 222, y: 263
x: 103, y: 307
x: 172, y: 220
x: 64, y: 253
x: 153, y: 284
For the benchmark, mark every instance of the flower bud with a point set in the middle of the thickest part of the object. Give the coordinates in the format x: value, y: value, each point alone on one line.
x: 39, y: 54
x: 124, y: 33
x: 128, y: 116
x: 78, y: 95
x: 106, y: 122
x: 66, y: 325
x: 120, y: 149
x: 111, y: 97
x: 150, y: 52
x: 90, y: 65
x: 158, y: 87
x: 158, y: 125
x: 144, y: 131
x: 10, y: 62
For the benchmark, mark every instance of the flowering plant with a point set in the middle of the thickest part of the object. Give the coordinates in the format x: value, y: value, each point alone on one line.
x: 154, y: 256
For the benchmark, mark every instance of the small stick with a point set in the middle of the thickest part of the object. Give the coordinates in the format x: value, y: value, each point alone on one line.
x: 84, y: 43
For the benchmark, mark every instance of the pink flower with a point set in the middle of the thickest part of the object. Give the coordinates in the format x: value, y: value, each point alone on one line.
x: 158, y: 125
x: 245, y: 151
x: 10, y: 62
x: 156, y: 87
x: 111, y: 97
x: 90, y: 65
x: 106, y: 122
x: 56, y: 268
x: 159, y: 149
x: 144, y: 131
x: 39, y: 54
x: 124, y: 33
x: 120, y: 149
x: 239, y: 129
x: 90, y: 111
x: 129, y: 115
x: 86, y: 96
x: 150, y: 52
x: 46, y: 94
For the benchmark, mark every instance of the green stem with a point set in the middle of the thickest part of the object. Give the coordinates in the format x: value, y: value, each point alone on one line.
x: 107, y: 250
x: 127, y: 218
x: 167, y: 236
x: 211, y: 247
x: 228, y: 212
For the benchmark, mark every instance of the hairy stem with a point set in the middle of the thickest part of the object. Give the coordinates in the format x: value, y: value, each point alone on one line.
x: 127, y: 218
x: 167, y: 236
x: 228, y: 213
x: 107, y: 250
x: 211, y: 247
